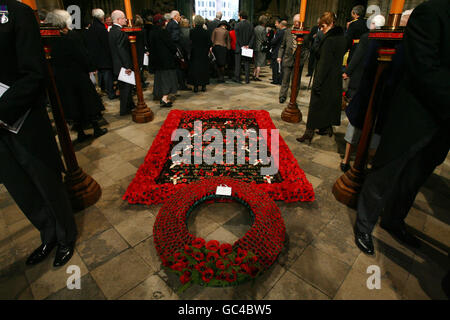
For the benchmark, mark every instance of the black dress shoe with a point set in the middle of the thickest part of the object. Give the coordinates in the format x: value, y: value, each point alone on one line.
x: 63, y: 254
x: 345, y: 167
x: 100, y: 132
x: 164, y: 104
x: 40, y: 253
x: 282, y: 99
x: 364, y: 242
x: 402, y: 235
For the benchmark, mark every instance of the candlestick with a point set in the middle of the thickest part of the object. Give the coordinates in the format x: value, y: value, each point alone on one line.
x: 302, y: 10
x: 31, y: 4
x: 397, y: 6
x: 128, y: 11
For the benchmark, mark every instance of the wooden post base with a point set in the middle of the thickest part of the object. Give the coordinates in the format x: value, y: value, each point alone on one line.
x: 292, y: 114
x: 347, y: 187
x: 83, y: 190
x: 142, y: 114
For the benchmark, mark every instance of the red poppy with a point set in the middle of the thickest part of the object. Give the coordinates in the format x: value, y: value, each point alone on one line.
x: 213, y: 245
x: 208, y: 275
x: 231, y: 277
x: 177, y: 256
x: 201, y: 267
x: 188, y: 250
x: 241, y: 254
x: 237, y: 261
x: 212, y: 256
x: 244, y: 268
x: 185, y: 277
x: 178, y: 266
x: 225, y: 249
x: 198, y: 256
x: 198, y: 243
x: 220, y: 265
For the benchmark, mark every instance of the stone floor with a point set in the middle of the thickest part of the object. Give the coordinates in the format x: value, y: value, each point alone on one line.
x: 115, y: 250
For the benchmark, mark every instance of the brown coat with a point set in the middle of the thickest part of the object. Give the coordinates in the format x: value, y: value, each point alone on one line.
x: 221, y: 37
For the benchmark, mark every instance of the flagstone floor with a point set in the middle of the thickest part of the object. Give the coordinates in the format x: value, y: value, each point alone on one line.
x: 115, y: 250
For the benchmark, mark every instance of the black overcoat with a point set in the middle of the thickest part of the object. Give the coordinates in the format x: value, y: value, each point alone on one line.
x: 97, y: 43
x: 421, y: 104
x: 23, y: 70
x: 326, y: 95
x: 198, y: 74
x: 162, y: 49
x: 71, y: 65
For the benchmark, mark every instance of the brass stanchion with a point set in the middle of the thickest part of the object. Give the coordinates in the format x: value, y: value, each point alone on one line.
x: 142, y: 113
x: 348, y: 186
x: 83, y: 190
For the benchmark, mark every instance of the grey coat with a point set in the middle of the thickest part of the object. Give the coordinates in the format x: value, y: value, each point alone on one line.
x: 287, y: 51
x: 260, y: 37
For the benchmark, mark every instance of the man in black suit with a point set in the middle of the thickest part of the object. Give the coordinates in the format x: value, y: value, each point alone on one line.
x: 30, y: 165
x: 121, y: 56
x: 245, y: 38
x: 275, y: 44
x: 98, y: 47
x: 174, y: 29
x: 416, y: 135
x: 356, y: 28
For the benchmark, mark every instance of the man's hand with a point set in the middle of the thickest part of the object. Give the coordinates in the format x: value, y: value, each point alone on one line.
x: 246, y: 47
x: 345, y: 76
x: 128, y: 71
x: 279, y: 60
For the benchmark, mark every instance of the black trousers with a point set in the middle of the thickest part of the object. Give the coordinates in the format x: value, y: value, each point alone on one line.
x: 277, y: 76
x: 389, y: 191
x: 38, y: 191
x: 126, y: 98
x: 237, y: 68
x: 106, y: 82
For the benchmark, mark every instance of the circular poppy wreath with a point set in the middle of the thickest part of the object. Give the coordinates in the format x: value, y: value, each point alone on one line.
x: 212, y: 264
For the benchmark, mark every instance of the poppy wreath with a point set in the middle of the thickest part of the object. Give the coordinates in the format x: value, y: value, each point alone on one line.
x: 214, y: 264
x: 151, y: 186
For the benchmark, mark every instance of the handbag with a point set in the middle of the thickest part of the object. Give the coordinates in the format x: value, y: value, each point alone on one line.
x: 265, y: 47
x: 181, y: 61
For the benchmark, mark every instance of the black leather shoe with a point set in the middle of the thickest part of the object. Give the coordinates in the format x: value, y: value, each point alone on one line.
x: 100, y: 132
x: 63, y: 254
x: 402, y: 235
x: 364, y: 242
x: 345, y: 167
x: 40, y: 253
x: 282, y: 99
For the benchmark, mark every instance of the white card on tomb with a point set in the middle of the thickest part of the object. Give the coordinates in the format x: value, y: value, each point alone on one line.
x: 127, y: 78
x: 145, y: 60
x: 247, y: 52
x: 223, y: 191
